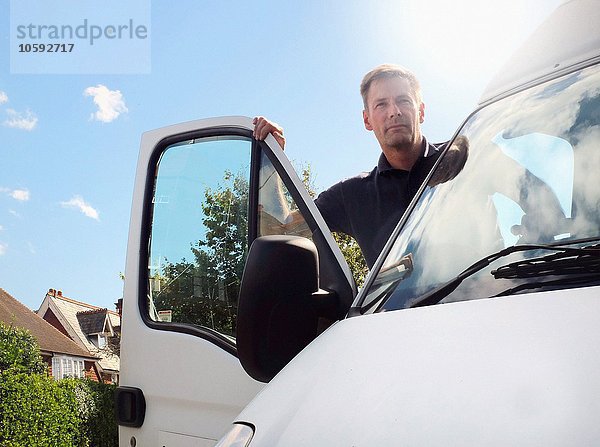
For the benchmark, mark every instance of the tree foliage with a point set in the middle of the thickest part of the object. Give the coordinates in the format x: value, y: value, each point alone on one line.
x: 38, y: 411
x: 226, y: 221
x: 348, y: 245
x: 204, y: 291
x: 19, y: 350
x: 353, y: 256
x: 97, y: 412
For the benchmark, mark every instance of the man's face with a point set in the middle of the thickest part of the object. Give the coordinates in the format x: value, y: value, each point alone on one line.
x: 394, y: 114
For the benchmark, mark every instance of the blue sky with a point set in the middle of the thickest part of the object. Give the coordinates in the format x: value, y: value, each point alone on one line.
x: 69, y: 142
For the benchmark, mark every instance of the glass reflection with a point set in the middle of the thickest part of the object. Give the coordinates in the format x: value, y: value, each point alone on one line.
x: 199, y: 239
x: 524, y: 170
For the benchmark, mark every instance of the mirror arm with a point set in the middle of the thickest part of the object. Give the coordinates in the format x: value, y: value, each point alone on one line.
x: 325, y: 304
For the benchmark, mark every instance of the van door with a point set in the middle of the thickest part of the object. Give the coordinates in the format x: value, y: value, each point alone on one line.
x: 204, y: 191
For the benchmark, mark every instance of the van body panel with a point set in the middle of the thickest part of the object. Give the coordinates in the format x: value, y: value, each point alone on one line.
x: 184, y: 372
x: 518, y: 370
x: 192, y: 388
x: 567, y: 38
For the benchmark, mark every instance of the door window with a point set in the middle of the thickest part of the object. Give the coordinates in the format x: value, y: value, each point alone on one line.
x: 199, y: 238
x: 210, y: 197
x: 278, y: 213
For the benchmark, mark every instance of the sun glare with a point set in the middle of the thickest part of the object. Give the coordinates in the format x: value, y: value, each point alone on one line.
x: 467, y: 36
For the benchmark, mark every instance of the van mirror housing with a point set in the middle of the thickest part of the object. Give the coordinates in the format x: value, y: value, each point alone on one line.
x: 280, y: 304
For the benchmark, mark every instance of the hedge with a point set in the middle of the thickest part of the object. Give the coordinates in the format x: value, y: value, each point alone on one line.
x: 38, y: 411
x: 100, y: 426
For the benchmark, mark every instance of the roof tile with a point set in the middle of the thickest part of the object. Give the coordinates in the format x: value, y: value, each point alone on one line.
x: 70, y: 309
x: 50, y: 339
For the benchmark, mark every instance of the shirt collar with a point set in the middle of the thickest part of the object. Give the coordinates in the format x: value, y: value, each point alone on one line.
x: 383, y: 165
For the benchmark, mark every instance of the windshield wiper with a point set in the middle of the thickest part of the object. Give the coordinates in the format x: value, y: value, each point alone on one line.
x: 578, y: 280
x: 571, y: 269
x: 395, y: 272
x: 589, y: 254
x: 388, y: 278
x: 585, y: 260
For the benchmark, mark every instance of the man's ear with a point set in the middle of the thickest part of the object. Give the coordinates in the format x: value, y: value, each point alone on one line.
x: 366, y: 121
x: 422, y: 113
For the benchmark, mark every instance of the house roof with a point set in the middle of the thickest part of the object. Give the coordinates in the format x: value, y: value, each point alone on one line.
x: 93, y: 321
x: 50, y: 339
x: 68, y: 312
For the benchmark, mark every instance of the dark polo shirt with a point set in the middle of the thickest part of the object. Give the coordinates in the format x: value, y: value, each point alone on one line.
x: 368, y: 206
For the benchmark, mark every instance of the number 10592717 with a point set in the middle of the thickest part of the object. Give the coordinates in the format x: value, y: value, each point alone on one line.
x: 46, y: 47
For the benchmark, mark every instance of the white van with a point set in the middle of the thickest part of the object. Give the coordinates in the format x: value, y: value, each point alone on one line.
x: 478, y: 325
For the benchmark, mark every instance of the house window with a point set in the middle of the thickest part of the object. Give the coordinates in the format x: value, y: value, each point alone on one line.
x: 67, y: 367
x: 63, y: 367
x: 79, y: 369
x: 99, y: 340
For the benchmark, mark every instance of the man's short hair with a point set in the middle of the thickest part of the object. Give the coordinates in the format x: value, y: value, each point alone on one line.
x: 385, y: 71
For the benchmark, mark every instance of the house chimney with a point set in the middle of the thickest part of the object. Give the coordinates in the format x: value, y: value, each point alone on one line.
x: 119, y: 306
x: 51, y: 292
x: 59, y: 293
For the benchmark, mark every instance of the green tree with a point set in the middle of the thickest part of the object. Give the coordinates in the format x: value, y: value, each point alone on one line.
x: 38, y: 411
x: 97, y: 412
x: 225, y: 248
x: 19, y: 351
x: 205, y: 291
x: 348, y: 245
x: 353, y: 256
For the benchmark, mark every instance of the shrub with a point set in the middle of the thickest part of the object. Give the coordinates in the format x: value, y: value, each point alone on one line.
x: 36, y: 411
x: 19, y: 350
x: 100, y: 426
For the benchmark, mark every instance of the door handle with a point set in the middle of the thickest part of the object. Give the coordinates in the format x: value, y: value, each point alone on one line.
x: 131, y: 406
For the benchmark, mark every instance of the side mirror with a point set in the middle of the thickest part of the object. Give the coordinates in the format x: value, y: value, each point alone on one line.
x: 280, y: 304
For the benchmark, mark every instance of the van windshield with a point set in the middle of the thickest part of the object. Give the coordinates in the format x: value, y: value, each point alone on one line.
x: 523, y: 171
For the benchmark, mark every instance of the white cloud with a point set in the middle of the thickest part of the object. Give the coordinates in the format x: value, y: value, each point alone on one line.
x: 3, y: 97
x: 22, y: 195
x: 3, y: 248
x: 110, y: 103
x: 78, y: 203
x: 25, y: 121
x: 14, y: 213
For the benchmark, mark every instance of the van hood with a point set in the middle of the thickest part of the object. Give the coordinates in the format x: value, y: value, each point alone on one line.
x: 520, y: 370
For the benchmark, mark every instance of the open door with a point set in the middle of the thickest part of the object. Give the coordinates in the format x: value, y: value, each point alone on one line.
x: 204, y: 191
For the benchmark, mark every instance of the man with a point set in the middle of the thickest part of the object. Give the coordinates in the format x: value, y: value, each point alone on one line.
x: 369, y: 205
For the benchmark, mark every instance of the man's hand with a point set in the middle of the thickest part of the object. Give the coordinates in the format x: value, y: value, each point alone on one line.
x: 264, y: 127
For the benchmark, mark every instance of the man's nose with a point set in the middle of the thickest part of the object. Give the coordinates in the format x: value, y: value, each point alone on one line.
x: 395, y: 111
